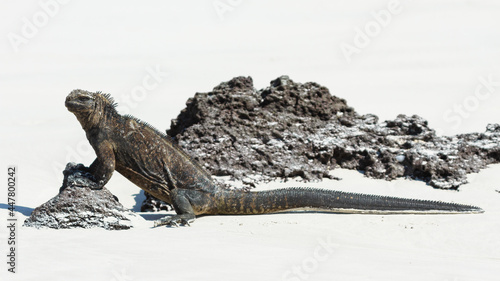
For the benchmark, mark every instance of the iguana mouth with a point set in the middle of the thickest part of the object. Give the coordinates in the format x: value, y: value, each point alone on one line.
x: 73, y: 105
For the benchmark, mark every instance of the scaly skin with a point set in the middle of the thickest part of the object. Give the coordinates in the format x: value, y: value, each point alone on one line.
x: 150, y: 159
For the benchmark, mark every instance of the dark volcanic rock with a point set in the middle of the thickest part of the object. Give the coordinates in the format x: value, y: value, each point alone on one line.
x: 300, y: 130
x: 153, y: 204
x: 78, y: 206
x: 238, y: 131
x: 291, y: 129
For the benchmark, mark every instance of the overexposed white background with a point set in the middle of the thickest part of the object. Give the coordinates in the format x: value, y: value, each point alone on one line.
x: 430, y: 58
x: 426, y: 58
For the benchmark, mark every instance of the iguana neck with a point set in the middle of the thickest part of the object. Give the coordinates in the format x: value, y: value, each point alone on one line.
x: 95, y: 119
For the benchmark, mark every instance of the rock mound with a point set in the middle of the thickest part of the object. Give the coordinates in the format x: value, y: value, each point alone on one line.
x: 291, y: 129
x: 78, y: 206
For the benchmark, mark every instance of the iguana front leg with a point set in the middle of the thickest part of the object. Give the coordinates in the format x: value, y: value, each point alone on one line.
x: 185, y: 213
x: 103, y: 166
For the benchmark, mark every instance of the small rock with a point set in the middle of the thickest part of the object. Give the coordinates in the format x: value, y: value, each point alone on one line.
x: 78, y: 206
x: 400, y: 158
x: 493, y: 128
x: 152, y: 204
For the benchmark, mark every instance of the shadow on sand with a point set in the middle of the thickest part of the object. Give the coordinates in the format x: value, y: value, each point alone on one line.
x: 20, y: 209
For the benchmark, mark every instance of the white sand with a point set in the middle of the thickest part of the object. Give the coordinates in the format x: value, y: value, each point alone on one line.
x: 429, y: 60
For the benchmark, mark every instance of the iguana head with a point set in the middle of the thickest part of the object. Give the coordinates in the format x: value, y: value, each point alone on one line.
x: 79, y: 101
x: 89, y: 107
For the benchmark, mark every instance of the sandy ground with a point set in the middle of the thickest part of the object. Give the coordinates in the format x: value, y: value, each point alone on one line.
x: 437, y: 59
x: 292, y: 246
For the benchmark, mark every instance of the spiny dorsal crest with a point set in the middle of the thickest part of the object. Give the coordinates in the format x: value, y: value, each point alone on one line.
x: 170, y: 140
x: 108, y: 100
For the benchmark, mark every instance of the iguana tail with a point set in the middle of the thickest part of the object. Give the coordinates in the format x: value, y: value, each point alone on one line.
x: 262, y: 202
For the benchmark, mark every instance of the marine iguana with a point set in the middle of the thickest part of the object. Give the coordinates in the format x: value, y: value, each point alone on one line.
x: 151, y: 160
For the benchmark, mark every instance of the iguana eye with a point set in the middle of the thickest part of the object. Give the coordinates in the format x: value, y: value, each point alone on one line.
x: 84, y: 98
